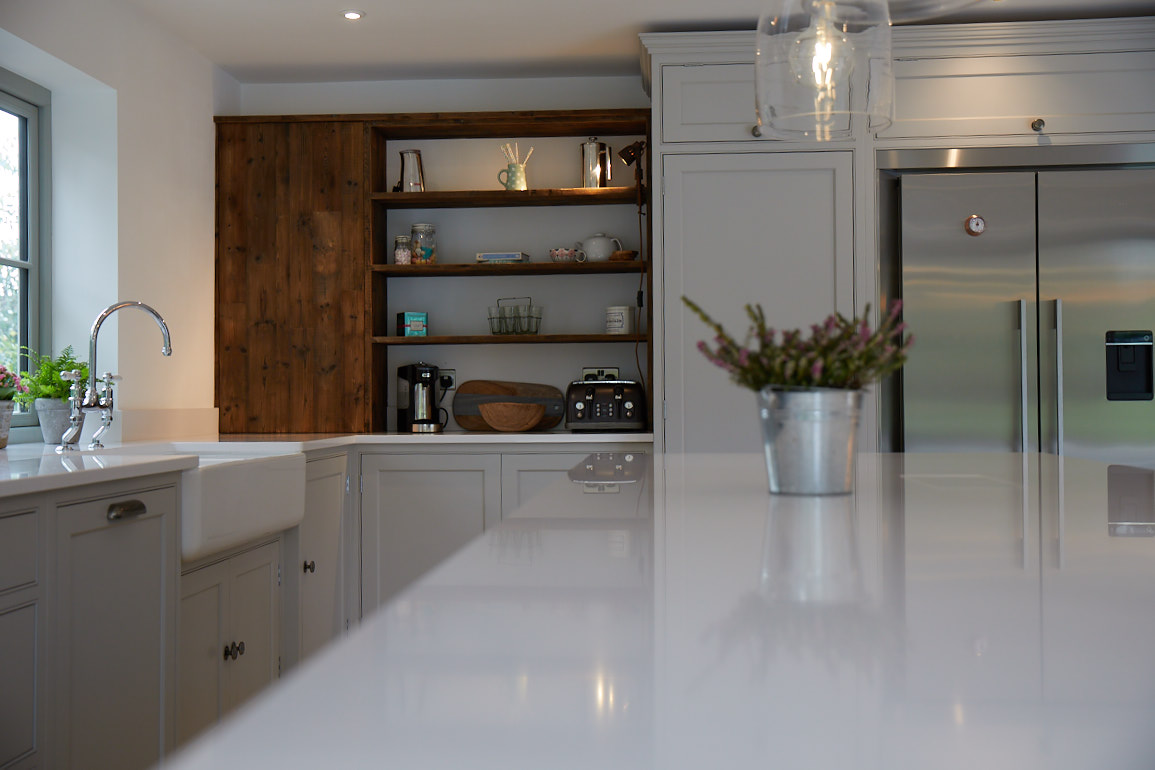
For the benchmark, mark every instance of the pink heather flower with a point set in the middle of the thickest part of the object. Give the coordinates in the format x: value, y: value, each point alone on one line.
x: 743, y: 357
x: 816, y: 370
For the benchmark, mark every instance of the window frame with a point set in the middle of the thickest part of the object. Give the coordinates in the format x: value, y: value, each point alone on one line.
x: 33, y: 103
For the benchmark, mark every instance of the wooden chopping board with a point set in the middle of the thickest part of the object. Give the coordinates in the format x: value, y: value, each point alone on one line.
x: 474, y: 392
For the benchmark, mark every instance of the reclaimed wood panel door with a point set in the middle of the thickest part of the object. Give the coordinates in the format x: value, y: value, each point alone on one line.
x: 291, y: 267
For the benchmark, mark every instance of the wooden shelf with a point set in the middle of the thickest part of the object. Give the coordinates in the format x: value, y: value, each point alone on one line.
x: 457, y: 125
x: 507, y: 339
x: 514, y: 268
x: 460, y: 199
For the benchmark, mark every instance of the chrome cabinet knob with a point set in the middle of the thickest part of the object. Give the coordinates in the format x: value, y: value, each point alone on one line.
x: 1038, y: 124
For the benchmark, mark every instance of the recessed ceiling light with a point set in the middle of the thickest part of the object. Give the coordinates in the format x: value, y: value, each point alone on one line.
x: 353, y: 15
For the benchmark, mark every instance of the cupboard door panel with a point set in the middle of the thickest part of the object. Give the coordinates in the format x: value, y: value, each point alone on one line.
x: 204, y: 598
x: 254, y: 620
x: 769, y: 228
x: 114, y: 620
x: 418, y: 510
x: 321, y: 610
x: 17, y: 683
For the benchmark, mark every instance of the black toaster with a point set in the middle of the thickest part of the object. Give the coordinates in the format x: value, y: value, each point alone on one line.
x: 605, y: 405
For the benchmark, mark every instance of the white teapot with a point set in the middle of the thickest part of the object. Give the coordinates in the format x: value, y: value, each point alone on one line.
x: 599, y: 246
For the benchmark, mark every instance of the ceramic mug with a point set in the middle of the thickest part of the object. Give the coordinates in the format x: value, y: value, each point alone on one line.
x: 567, y: 255
x: 514, y: 176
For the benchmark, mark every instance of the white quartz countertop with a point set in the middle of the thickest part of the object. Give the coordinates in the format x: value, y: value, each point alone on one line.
x: 36, y: 467
x: 33, y: 468
x: 956, y: 611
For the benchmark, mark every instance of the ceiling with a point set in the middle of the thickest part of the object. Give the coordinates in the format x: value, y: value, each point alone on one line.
x: 270, y: 41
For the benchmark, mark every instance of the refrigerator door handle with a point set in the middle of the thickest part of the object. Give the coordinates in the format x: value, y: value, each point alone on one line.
x: 1059, y: 375
x: 1023, y: 418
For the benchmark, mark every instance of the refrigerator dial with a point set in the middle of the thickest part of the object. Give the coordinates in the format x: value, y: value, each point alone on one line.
x: 975, y: 225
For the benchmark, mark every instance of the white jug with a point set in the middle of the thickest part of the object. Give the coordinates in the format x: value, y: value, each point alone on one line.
x: 599, y: 246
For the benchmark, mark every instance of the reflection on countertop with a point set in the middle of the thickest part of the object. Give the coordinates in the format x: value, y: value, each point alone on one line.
x: 955, y: 611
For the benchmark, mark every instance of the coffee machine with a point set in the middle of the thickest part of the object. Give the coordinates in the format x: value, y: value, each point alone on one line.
x: 417, y: 410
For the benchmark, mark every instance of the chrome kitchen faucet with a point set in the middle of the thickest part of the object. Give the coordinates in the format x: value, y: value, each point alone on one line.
x: 103, y: 400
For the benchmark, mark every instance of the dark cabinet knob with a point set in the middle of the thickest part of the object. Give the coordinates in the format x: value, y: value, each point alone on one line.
x: 241, y: 648
x: 310, y: 566
x: 233, y: 650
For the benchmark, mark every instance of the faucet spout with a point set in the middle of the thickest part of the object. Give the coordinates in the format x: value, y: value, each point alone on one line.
x: 90, y: 397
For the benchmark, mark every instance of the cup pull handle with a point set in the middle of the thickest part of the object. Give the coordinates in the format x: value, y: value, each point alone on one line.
x: 126, y: 509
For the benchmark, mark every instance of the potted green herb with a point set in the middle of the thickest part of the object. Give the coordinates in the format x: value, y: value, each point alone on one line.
x: 48, y: 391
x: 809, y: 389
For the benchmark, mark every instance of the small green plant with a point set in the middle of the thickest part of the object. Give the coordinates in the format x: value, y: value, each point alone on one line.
x: 45, y: 380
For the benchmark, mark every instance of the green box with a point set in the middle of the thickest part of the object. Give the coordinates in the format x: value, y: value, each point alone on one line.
x: 412, y: 324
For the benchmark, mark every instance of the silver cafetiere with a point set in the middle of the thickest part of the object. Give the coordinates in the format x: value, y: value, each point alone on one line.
x: 595, y: 163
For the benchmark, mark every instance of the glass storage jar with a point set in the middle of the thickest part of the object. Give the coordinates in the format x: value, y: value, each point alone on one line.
x: 424, y: 243
x: 402, y: 250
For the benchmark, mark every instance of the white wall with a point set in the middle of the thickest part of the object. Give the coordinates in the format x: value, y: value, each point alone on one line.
x: 442, y: 95
x: 133, y: 189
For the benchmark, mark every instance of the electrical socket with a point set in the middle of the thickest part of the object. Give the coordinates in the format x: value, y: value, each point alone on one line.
x: 600, y: 373
x: 447, y: 379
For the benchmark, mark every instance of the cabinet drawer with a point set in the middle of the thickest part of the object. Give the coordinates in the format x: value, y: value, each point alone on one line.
x: 1000, y: 96
x: 18, y: 550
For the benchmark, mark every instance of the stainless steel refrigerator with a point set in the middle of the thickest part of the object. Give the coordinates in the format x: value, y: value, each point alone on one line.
x: 1031, y: 296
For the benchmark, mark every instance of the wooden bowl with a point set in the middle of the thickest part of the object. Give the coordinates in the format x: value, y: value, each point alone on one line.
x: 509, y: 417
x: 623, y: 256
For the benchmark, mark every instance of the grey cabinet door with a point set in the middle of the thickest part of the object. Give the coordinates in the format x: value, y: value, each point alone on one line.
x: 321, y: 608
x: 112, y: 649
x: 417, y: 510
x: 769, y: 228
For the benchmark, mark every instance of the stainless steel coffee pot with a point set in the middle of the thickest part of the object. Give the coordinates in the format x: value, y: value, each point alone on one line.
x: 595, y: 163
x: 412, y: 175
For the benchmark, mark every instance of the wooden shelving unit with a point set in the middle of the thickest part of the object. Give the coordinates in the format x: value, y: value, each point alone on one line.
x: 383, y: 137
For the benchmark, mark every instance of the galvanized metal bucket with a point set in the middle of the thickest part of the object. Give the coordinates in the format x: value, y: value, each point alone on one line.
x: 809, y: 436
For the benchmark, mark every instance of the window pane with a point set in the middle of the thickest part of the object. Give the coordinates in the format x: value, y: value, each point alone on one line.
x: 10, y: 176
x: 11, y: 296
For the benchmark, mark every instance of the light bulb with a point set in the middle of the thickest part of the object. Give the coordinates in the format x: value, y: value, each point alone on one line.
x: 822, y: 55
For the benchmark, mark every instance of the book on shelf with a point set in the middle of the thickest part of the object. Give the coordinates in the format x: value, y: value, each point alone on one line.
x: 501, y: 257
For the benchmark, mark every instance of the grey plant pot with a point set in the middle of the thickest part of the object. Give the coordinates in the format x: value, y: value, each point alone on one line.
x: 53, y: 414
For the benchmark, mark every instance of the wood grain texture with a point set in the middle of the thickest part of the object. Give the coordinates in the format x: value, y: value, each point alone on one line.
x: 472, y: 394
x: 291, y: 263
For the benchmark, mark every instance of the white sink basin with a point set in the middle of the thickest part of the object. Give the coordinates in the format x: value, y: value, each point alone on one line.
x: 235, y: 495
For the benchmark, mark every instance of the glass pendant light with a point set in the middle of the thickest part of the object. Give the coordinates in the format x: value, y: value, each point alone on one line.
x: 819, y: 62
x: 906, y: 11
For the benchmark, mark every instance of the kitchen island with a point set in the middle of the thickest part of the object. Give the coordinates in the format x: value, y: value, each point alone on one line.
x: 986, y: 610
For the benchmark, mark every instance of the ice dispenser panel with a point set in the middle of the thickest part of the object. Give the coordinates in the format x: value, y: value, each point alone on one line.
x: 1129, y: 365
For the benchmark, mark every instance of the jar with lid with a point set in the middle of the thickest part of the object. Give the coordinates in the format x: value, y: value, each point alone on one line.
x: 424, y: 243
x: 402, y: 250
